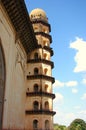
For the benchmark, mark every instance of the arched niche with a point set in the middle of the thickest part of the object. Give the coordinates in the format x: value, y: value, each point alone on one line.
x: 46, y: 125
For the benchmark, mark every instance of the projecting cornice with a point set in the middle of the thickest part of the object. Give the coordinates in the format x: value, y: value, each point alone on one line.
x: 46, y: 48
x: 35, y: 21
x: 41, y: 61
x: 40, y: 93
x: 18, y: 14
x: 44, y: 35
x: 40, y: 76
x: 41, y: 111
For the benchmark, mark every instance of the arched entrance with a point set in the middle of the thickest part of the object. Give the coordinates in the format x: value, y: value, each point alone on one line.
x: 2, y: 83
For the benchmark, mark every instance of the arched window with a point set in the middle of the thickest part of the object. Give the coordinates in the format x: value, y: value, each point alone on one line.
x: 36, y: 55
x: 46, y: 87
x: 46, y: 105
x: 35, y: 124
x: 45, y: 56
x: 47, y: 125
x: 35, y: 105
x: 36, y: 88
x: 44, y: 42
x: 36, y: 71
x: 45, y: 30
x: 2, y: 83
x: 45, y: 71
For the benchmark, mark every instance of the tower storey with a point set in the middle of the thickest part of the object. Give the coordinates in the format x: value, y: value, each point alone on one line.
x: 39, y: 96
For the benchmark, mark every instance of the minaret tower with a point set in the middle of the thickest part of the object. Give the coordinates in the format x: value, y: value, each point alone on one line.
x: 39, y: 96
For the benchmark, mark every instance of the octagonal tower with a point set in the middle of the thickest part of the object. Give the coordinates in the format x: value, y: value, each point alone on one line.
x: 39, y: 102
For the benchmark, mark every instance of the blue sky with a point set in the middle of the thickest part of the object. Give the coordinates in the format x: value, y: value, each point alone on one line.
x: 68, y: 30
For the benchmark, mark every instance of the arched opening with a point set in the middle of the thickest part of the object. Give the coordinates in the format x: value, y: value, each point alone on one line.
x: 35, y: 105
x: 36, y: 71
x: 36, y: 55
x: 36, y: 88
x: 47, y: 105
x: 2, y: 83
x: 35, y: 124
x: 44, y: 43
x: 45, y: 30
x: 45, y: 71
x: 46, y: 88
x: 45, y: 56
x: 46, y: 125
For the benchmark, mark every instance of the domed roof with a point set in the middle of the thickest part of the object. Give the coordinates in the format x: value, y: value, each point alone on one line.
x: 38, y: 13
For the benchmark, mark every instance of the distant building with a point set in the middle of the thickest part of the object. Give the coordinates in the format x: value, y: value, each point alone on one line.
x: 26, y: 98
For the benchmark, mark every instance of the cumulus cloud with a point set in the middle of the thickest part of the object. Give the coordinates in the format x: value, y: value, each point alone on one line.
x: 74, y: 90
x: 82, y: 112
x: 84, y: 96
x: 70, y: 116
x: 71, y: 83
x: 79, y: 45
x: 59, y: 99
x: 58, y: 84
x: 64, y: 118
x: 77, y: 107
x: 84, y: 81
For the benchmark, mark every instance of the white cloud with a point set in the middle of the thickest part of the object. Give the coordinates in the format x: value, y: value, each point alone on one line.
x: 59, y: 99
x: 84, y: 96
x: 64, y: 118
x: 80, y: 46
x: 74, y: 90
x: 71, y: 83
x: 82, y: 112
x: 62, y: 84
x: 70, y: 116
x: 77, y: 107
x: 84, y: 81
x: 58, y: 84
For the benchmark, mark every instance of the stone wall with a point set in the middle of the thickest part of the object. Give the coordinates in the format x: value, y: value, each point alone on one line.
x: 15, y: 66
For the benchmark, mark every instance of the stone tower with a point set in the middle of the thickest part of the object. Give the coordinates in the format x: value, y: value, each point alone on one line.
x: 39, y: 96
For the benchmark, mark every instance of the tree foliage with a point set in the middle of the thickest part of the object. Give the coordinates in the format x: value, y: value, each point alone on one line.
x: 77, y: 124
x: 59, y: 127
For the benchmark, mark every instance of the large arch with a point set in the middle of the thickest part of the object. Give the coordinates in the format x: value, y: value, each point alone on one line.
x: 2, y: 83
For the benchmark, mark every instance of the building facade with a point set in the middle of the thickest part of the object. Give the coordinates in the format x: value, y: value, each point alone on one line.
x: 26, y: 98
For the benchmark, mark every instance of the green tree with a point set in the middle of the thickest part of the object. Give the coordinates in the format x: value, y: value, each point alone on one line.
x: 77, y: 124
x: 59, y: 127
x: 56, y: 127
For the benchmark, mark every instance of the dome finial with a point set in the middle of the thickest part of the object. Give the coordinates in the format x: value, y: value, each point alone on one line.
x: 38, y: 14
